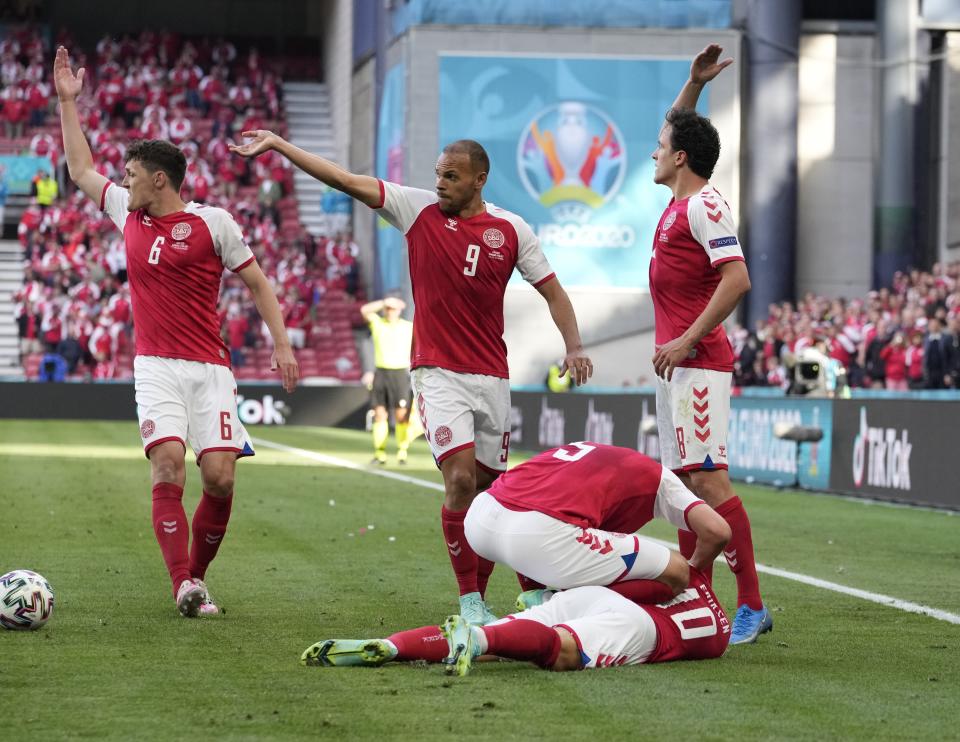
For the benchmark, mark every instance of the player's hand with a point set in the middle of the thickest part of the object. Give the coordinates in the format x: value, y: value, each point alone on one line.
x: 579, y: 365
x: 68, y: 84
x: 669, y: 356
x: 284, y: 360
x: 705, y: 66
x: 261, y: 141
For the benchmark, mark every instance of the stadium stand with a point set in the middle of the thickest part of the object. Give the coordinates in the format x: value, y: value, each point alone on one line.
x: 201, y: 94
x: 903, y: 337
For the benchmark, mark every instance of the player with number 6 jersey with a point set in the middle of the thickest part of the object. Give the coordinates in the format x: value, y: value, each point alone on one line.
x: 566, y: 518
x: 462, y: 251
x: 185, y: 390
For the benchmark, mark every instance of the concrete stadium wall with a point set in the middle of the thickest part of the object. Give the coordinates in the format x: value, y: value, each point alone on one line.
x: 837, y: 138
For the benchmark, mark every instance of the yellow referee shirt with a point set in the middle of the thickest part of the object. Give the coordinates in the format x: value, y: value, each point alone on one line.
x: 391, y: 342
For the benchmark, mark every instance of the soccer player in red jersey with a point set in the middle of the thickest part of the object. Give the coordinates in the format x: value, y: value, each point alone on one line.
x: 586, y: 627
x: 185, y: 390
x: 697, y: 277
x: 462, y: 251
x: 566, y: 518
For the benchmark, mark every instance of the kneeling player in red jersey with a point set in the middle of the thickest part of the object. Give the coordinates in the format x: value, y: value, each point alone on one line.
x: 566, y: 518
x: 586, y: 627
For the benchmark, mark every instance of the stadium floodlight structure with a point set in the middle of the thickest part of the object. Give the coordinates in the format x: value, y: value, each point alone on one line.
x: 799, y: 434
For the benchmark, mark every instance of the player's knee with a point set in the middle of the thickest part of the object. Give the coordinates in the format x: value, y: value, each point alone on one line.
x: 402, y: 413
x: 712, y: 486
x: 460, y: 487
x: 218, y: 479
x: 380, y: 414
x: 167, y: 467
x: 569, y: 656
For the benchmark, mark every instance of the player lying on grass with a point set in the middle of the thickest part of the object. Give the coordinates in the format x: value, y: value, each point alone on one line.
x: 566, y: 518
x: 586, y: 627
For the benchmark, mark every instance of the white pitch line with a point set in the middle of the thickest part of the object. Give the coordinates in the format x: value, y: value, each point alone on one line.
x: 879, y: 598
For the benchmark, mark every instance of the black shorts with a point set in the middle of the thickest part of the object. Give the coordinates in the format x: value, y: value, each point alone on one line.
x: 391, y: 388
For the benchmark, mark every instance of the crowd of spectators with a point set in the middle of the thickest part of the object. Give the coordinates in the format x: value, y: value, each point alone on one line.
x: 903, y: 337
x: 200, y: 94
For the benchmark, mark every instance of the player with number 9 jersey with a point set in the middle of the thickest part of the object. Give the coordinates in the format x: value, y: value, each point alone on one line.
x: 462, y: 251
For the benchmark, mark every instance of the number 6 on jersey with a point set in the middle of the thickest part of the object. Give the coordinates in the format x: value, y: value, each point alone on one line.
x: 154, y: 257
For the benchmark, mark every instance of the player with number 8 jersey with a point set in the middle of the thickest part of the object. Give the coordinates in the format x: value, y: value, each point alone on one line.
x: 462, y: 251
x: 185, y: 390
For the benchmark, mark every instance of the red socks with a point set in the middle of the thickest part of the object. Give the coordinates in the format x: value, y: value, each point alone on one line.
x: 209, y: 526
x: 522, y: 639
x: 688, y: 543
x: 462, y: 557
x: 170, y: 527
x: 420, y: 644
x: 484, y: 570
x: 517, y: 640
x: 651, y: 592
x: 739, y: 553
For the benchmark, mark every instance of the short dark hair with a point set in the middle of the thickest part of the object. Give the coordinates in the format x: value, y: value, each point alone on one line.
x: 157, y: 154
x: 695, y: 135
x: 478, y: 155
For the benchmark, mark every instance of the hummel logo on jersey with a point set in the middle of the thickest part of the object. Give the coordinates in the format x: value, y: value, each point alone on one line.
x: 146, y: 221
x: 454, y: 547
x: 451, y: 224
x: 731, y: 557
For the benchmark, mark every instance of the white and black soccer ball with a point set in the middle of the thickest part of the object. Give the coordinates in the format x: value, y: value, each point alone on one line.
x: 26, y: 600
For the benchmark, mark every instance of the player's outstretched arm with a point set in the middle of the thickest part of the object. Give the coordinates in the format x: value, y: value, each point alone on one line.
x: 361, y: 187
x: 576, y: 361
x: 703, y: 69
x: 266, y: 301
x: 713, y: 534
x: 79, y: 158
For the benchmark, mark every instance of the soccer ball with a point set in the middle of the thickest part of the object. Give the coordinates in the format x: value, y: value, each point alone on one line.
x: 26, y: 600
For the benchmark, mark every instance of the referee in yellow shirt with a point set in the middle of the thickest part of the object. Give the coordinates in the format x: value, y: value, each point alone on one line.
x: 392, y: 337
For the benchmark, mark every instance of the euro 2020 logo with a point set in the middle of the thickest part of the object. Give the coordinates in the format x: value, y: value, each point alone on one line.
x: 571, y: 159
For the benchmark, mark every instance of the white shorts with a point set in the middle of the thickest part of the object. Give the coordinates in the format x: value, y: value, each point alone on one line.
x: 609, y: 629
x: 558, y: 554
x: 190, y: 402
x: 693, y: 413
x: 458, y: 411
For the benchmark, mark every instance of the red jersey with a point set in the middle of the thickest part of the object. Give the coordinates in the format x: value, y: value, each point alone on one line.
x: 459, y: 270
x: 694, y: 236
x: 592, y: 485
x: 174, y: 266
x: 692, y: 626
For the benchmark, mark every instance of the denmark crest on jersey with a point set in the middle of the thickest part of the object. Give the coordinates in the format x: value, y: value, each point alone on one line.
x: 180, y: 231
x: 668, y: 222
x: 493, y: 237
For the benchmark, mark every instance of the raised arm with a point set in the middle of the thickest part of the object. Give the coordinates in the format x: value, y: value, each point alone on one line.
x: 361, y: 187
x: 79, y: 158
x: 576, y: 361
x: 703, y: 69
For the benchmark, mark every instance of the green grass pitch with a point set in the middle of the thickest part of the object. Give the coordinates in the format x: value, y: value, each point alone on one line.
x: 301, y: 563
